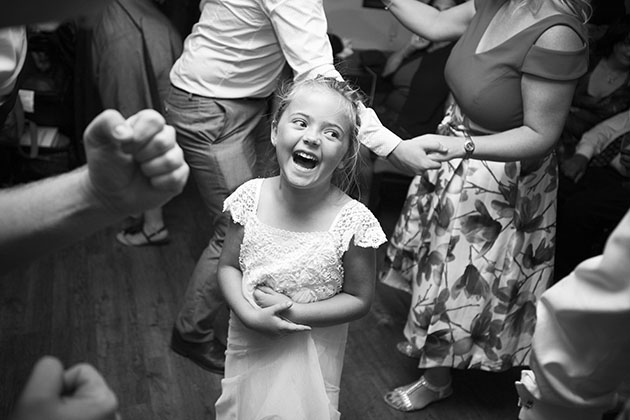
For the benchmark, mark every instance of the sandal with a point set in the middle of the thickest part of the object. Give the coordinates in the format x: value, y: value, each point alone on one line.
x: 136, y: 236
x: 408, y: 349
x: 399, y: 397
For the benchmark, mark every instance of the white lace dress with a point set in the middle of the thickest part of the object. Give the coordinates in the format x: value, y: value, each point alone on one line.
x: 295, y: 377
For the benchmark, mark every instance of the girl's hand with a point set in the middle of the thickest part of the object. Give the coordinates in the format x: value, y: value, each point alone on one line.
x: 265, y: 296
x: 269, y: 322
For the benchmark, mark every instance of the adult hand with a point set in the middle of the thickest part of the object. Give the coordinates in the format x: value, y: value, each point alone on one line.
x: 269, y: 322
x: 575, y: 167
x: 133, y: 164
x: 265, y: 296
x: 80, y: 393
x: 418, y: 154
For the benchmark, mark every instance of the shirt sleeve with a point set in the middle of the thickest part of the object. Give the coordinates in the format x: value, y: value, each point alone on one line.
x: 580, y: 346
x: 301, y: 29
x: 12, y: 55
x: 595, y: 140
x: 374, y: 135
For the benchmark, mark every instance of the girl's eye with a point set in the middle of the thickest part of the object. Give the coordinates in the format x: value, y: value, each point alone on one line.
x: 334, y: 134
x: 299, y: 122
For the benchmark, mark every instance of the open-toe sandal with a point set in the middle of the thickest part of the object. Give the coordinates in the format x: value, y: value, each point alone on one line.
x: 136, y: 236
x: 399, y: 397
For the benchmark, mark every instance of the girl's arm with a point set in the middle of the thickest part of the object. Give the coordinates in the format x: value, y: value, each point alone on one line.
x: 352, y: 303
x: 431, y: 23
x: 545, y: 107
x: 265, y: 320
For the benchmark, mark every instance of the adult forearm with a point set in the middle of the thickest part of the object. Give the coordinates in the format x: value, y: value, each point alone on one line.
x: 512, y: 145
x: 46, y: 215
x: 416, y: 16
x: 429, y: 22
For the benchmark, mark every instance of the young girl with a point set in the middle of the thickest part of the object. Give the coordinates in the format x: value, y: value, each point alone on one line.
x: 298, y: 263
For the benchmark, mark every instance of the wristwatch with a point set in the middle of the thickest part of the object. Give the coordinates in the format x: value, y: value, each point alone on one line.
x: 469, y: 145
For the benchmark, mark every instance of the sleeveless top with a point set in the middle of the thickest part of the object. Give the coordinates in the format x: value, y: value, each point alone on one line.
x: 305, y: 266
x: 487, y: 86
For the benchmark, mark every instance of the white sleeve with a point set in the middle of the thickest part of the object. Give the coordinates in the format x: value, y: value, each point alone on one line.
x: 12, y: 55
x: 301, y: 28
x: 595, y: 140
x: 581, y: 343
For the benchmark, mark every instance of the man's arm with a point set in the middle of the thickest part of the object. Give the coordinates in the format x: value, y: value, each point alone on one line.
x: 580, y: 347
x: 593, y: 142
x: 301, y: 30
x: 597, y: 138
x: 133, y: 165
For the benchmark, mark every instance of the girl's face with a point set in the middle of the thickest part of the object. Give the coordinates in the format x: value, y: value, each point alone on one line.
x: 311, y: 137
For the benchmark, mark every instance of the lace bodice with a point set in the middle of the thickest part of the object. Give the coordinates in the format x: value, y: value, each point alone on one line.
x: 306, y: 266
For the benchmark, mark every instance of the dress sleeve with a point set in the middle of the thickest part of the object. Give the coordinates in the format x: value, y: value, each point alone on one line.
x: 242, y: 202
x: 364, y: 228
x: 558, y: 65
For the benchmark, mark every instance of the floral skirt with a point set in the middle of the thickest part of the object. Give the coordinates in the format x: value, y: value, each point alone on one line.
x: 474, y: 245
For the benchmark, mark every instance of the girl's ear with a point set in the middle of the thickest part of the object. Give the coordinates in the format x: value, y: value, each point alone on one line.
x: 274, y: 132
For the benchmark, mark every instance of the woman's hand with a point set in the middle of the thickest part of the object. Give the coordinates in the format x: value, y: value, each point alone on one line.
x: 269, y: 322
x: 265, y: 297
x: 574, y: 167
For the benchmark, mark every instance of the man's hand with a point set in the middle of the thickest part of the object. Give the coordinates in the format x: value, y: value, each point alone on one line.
x: 133, y: 164
x: 80, y: 393
x: 418, y: 154
x: 575, y: 167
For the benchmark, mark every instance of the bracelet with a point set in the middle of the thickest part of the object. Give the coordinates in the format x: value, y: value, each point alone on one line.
x: 388, y: 3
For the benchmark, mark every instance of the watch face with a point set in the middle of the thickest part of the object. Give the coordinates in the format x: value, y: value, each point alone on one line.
x: 469, y: 146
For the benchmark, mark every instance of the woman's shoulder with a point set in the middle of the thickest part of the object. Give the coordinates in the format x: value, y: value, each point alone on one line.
x: 562, y: 37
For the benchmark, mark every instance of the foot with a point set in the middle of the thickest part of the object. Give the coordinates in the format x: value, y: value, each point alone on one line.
x: 417, y: 395
x: 408, y: 349
x: 209, y: 356
x: 141, y: 236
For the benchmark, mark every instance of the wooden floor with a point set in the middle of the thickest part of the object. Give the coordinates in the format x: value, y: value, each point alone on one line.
x: 114, y: 307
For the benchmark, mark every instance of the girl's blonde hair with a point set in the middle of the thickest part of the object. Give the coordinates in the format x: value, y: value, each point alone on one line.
x: 345, y: 177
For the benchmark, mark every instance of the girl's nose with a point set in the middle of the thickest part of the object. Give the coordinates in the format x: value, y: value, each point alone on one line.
x: 311, y: 138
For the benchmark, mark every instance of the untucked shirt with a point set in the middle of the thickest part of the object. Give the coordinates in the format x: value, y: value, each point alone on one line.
x: 239, y: 47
